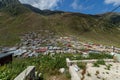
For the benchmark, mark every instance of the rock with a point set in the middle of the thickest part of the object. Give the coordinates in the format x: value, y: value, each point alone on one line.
x: 39, y: 74
x: 62, y: 70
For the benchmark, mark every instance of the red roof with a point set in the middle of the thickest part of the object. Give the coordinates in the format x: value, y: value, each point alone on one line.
x: 41, y: 50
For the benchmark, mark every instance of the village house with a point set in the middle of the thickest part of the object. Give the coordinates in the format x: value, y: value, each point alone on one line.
x: 41, y: 50
x: 5, y: 58
x: 19, y: 52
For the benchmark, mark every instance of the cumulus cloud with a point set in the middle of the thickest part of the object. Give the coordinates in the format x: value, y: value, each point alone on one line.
x: 114, y: 2
x: 42, y: 4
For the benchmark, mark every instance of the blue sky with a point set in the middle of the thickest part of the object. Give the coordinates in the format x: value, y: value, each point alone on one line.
x: 81, y: 6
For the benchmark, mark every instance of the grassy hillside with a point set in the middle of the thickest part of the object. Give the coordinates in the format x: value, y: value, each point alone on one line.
x: 11, y: 27
x: 86, y: 27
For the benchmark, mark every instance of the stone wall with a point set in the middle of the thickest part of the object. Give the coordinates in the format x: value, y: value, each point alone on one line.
x: 27, y: 74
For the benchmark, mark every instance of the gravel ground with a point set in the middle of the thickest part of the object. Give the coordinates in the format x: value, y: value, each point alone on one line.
x: 102, y: 73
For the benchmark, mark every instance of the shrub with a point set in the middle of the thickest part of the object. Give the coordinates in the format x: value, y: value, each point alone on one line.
x: 101, y: 62
x: 97, y: 72
x: 96, y: 65
x: 88, y: 74
x: 82, y: 65
x: 108, y: 67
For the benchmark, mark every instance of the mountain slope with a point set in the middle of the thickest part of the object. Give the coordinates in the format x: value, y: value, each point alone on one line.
x: 86, y: 27
x: 12, y: 7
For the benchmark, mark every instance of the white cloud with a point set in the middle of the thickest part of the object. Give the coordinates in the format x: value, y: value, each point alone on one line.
x: 77, y: 6
x: 42, y: 4
x: 114, y: 2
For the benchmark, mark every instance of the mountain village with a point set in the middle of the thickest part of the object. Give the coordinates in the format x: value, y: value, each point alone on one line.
x: 33, y: 44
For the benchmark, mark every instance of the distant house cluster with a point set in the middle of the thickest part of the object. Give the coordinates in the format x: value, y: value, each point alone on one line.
x: 33, y: 44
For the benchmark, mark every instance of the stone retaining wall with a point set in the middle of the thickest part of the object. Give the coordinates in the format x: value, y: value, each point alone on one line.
x: 69, y: 62
x: 27, y: 74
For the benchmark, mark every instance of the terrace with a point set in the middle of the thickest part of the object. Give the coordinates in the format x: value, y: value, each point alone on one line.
x: 94, y: 68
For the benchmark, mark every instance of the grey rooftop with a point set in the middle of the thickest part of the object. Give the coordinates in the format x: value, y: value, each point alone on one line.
x: 4, y: 54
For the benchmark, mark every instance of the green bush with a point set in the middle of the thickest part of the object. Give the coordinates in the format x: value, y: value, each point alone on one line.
x: 82, y: 65
x: 96, y: 65
x: 108, y: 67
x: 99, y: 62
x: 88, y: 74
x: 100, y: 56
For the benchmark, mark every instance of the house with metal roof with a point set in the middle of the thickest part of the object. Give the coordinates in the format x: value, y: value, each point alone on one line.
x: 5, y: 58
